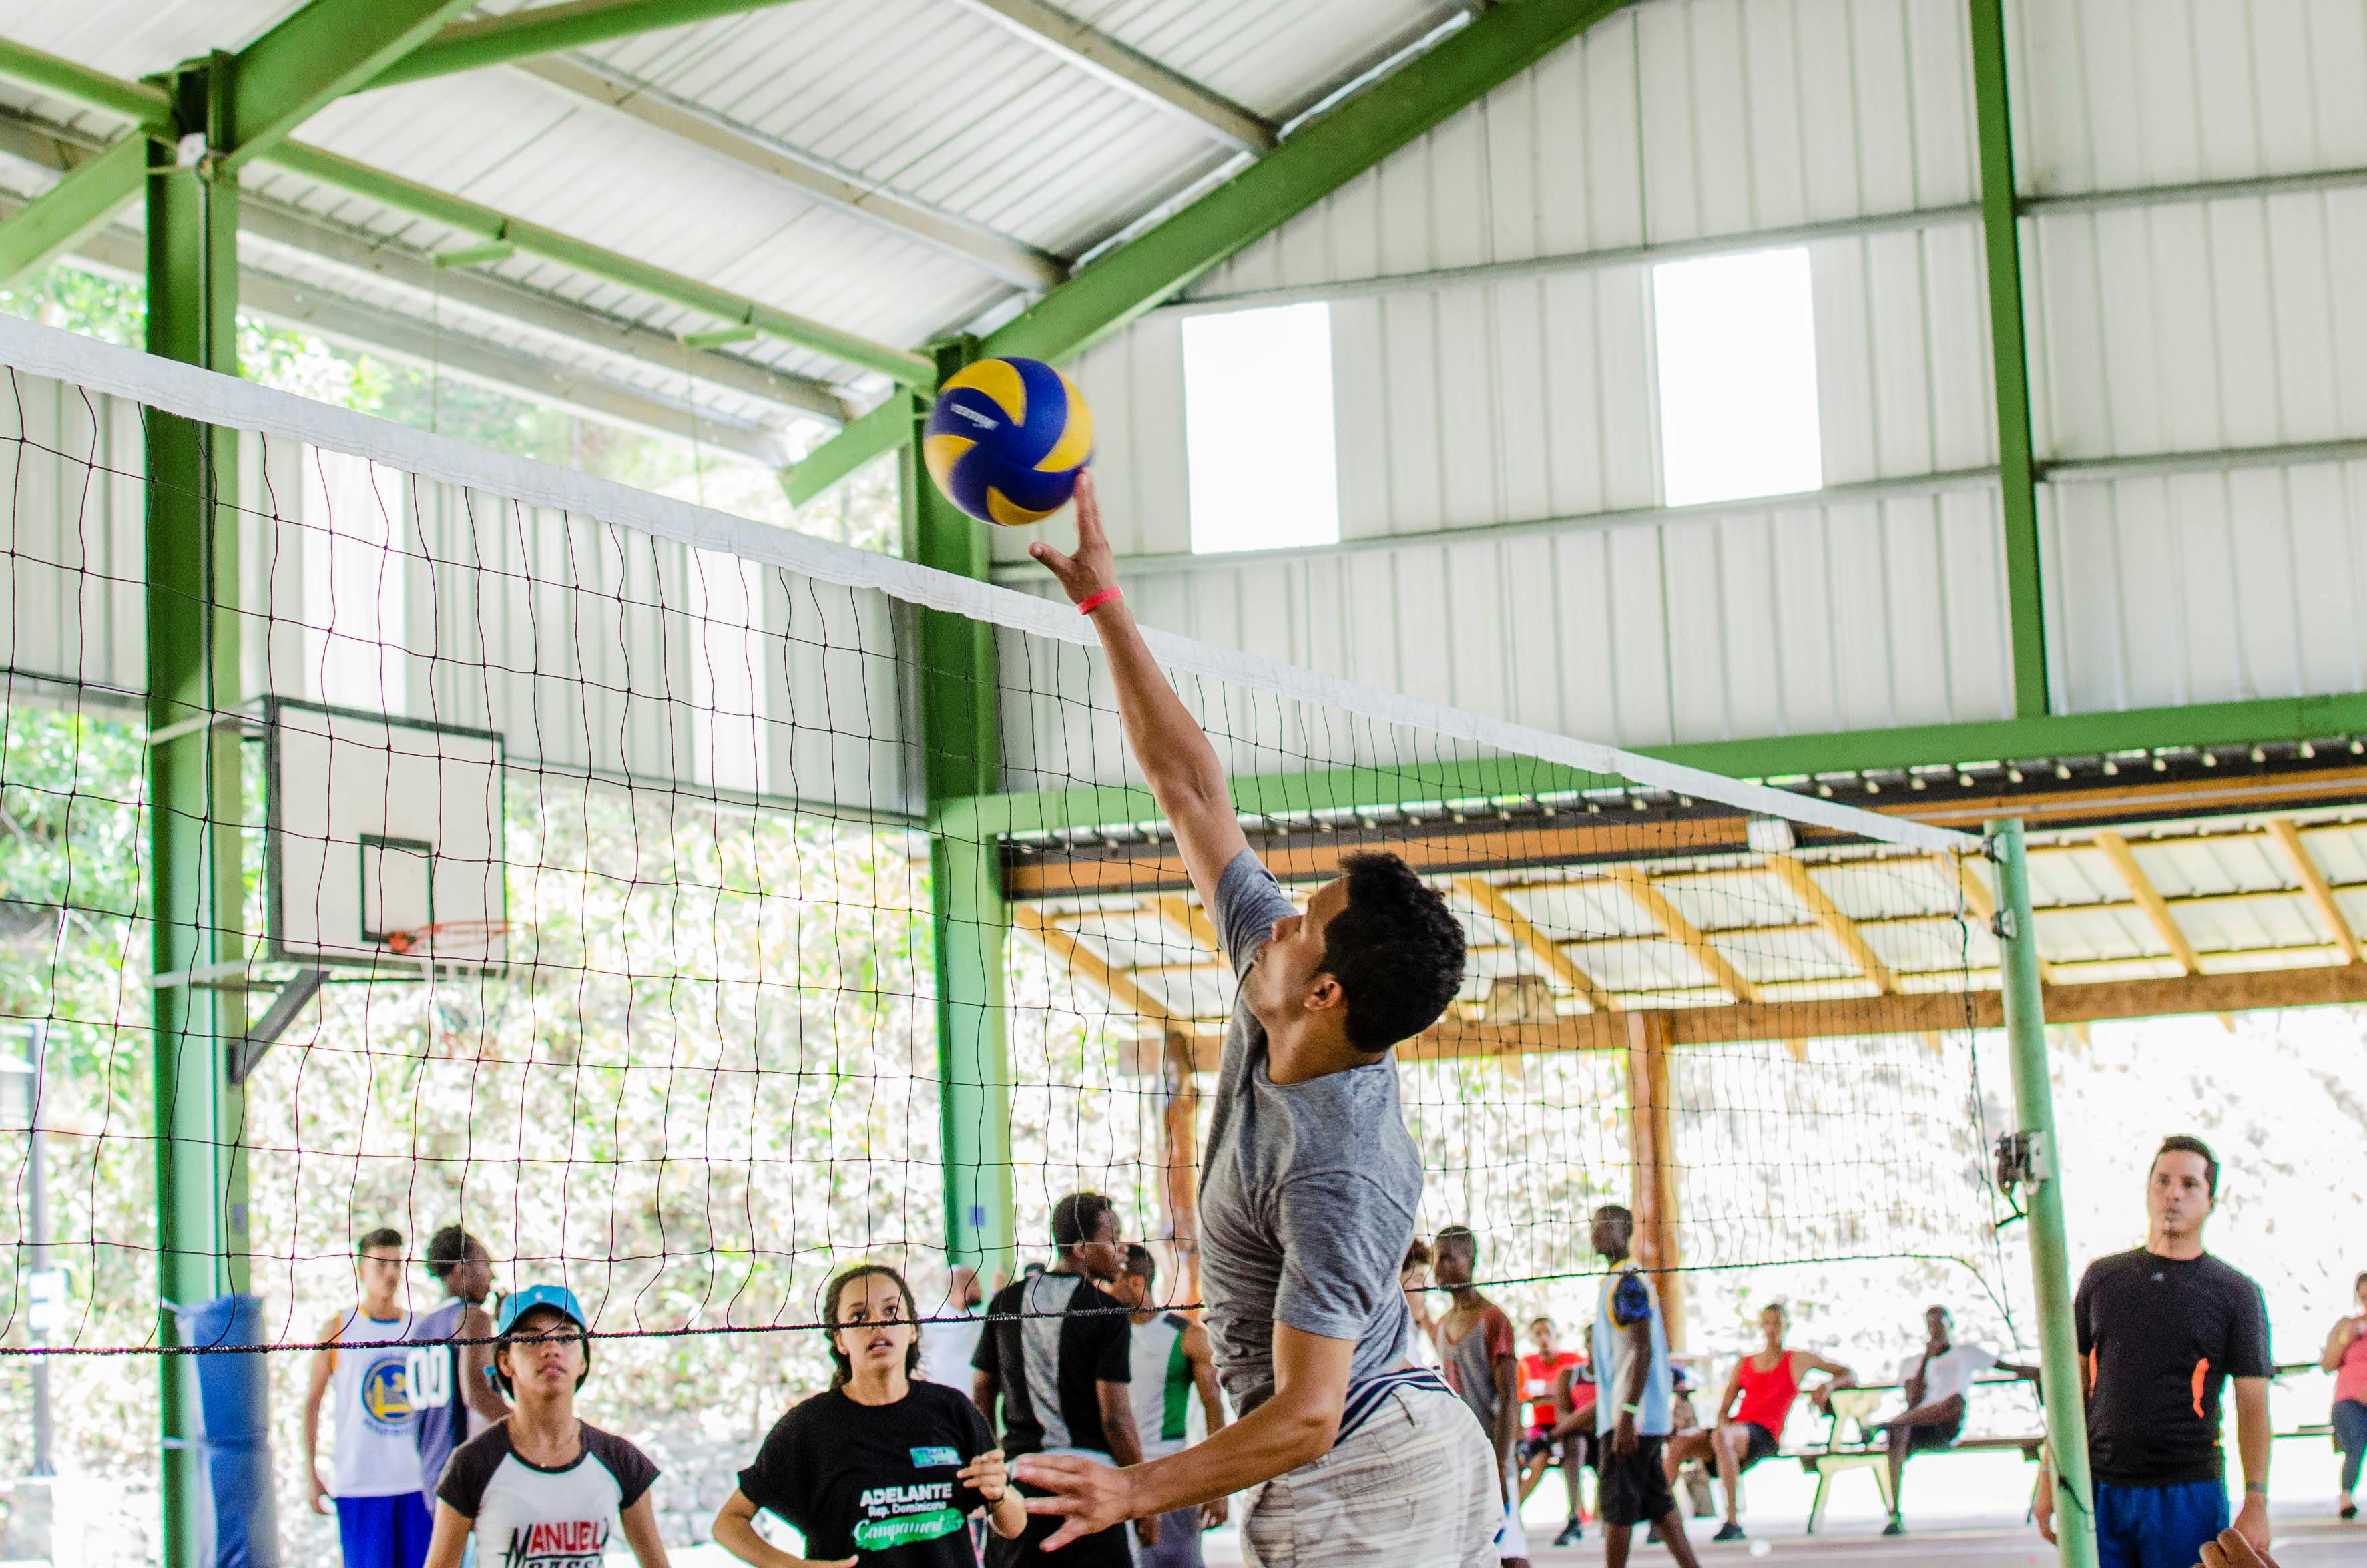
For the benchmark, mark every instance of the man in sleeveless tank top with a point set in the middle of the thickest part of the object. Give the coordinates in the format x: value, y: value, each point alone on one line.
x: 1747, y: 1425
x: 382, y: 1522
x: 453, y: 1396
x: 1172, y: 1364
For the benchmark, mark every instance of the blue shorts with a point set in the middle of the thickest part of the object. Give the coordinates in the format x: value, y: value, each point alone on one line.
x: 2158, y: 1526
x: 384, y: 1532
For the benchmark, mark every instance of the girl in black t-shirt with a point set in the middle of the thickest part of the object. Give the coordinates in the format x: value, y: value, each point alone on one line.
x: 882, y: 1470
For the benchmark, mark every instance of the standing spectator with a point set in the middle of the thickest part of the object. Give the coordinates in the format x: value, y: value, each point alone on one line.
x: 1938, y: 1384
x: 1635, y: 1392
x: 2346, y: 1356
x: 1482, y: 1364
x: 1413, y: 1279
x: 382, y: 1520
x: 1058, y: 1358
x: 451, y: 1387
x: 1748, y: 1425
x: 1544, y: 1372
x: 545, y: 1489
x: 1172, y: 1363
x: 882, y: 1468
x: 948, y: 1343
x: 2162, y: 1329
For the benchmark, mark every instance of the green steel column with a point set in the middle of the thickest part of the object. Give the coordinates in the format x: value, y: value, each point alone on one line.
x: 961, y: 737
x: 2050, y: 1265
x: 197, y: 882
x: 2009, y: 355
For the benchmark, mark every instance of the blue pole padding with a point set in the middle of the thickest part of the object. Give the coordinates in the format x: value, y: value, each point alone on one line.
x: 234, y: 1394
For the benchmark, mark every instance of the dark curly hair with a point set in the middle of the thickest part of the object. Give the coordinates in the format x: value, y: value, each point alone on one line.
x: 840, y: 1367
x: 1396, y: 950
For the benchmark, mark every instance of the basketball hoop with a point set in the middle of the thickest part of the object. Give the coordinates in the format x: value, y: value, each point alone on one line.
x: 457, y: 941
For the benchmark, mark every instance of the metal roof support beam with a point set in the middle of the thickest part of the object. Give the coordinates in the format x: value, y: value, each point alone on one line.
x: 320, y: 52
x: 2313, y: 883
x: 2009, y: 357
x: 1009, y: 259
x: 1131, y: 72
x: 1491, y: 902
x: 596, y: 261
x: 1682, y: 931
x: 521, y: 35
x: 1329, y: 152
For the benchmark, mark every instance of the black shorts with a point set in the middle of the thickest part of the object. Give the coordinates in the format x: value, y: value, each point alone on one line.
x: 1635, y: 1489
x: 1537, y: 1443
x: 1762, y: 1444
x: 1103, y: 1549
x: 1919, y: 1438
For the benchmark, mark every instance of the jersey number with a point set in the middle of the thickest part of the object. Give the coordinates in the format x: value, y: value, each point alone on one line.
x: 429, y: 1373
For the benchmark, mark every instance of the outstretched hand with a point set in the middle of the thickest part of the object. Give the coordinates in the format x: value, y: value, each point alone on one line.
x: 1088, y: 1496
x: 1093, y: 568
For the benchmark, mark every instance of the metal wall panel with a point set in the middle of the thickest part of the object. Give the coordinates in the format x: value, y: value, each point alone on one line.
x: 2195, y: 326
x: 2115, y: 94
x: 72, y: 557
x: 2207, y: 588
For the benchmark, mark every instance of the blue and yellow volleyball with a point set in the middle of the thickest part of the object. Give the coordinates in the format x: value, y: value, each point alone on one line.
x: 1006, y: 440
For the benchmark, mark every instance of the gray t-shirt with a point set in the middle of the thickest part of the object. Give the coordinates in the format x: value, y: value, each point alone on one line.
x: 1309, y: 1191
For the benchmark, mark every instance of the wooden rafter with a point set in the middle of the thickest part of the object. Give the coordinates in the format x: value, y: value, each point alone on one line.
x: 1491, y: 901
x: 1836, y: 924
x: 2313, y: 883
x: 2156, y: 909
x: 1114, y: 983
x: 1682, y: 931
x: 1190, y: 919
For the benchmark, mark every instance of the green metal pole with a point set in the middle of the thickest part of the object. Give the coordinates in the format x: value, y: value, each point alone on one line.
x: 2050, y: 1265
x: 2009, y: 357
x: 961, y: 736
x: 548, y: 29
x: 197, y: 881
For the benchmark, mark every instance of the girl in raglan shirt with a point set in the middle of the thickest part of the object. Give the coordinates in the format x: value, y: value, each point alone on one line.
x: 543, y: 1489
x: 882, y: 1470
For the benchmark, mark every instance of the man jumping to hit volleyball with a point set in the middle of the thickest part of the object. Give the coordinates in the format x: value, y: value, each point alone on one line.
x: 1309, y: 1185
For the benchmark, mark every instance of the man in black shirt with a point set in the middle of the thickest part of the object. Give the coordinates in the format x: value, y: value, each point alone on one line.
x: 1056, y: 1356
x: 2162, y: 1331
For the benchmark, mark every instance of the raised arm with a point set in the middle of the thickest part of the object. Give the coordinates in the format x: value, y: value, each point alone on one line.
x: 1174, y: 755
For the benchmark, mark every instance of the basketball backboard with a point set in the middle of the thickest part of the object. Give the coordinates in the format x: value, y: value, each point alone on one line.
x: 378, y: 826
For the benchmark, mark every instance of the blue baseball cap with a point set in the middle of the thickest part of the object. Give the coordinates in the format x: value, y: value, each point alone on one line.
x: 517, y: 1303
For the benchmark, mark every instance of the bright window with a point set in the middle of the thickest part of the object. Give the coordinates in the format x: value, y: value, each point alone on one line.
x: 1258, y: 431
x: 1737, y: 336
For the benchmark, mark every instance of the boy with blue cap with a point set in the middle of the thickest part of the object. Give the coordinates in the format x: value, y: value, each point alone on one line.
x: 544, y: 1489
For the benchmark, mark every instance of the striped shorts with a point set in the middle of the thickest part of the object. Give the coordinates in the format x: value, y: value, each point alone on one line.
x: 1414, y: 1485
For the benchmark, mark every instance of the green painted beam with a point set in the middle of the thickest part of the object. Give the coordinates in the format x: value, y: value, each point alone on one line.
x: 2010, y: 359
x: 548, y: 29
x: 961, y: 756
x: 875, y: 434
x: 317, y: 55
x: 71, y: 210
x: 142, y: 103
x: 1498, y: 45
x: 196, y: 884
x: 2270, y: 719
x: 596, y: 261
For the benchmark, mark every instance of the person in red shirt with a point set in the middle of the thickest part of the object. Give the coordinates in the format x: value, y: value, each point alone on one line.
x: 1748, y: 1426
x: 1543, y: 1373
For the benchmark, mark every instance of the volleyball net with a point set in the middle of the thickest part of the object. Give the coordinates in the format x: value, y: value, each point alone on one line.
x: 690, y: 908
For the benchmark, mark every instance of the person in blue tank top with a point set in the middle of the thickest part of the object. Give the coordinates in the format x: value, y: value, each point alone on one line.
x: 453, y: 1395
x: 1634, y: 1411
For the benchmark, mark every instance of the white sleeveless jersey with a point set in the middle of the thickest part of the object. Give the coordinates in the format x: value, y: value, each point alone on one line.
x: 1161, y: 1389
x: 370, y: 1393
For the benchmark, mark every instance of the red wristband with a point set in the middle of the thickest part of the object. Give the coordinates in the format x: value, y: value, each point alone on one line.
x: 1092, y: 602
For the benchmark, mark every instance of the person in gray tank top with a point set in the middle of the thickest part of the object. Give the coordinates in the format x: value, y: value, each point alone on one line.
x: 1309, y: 1184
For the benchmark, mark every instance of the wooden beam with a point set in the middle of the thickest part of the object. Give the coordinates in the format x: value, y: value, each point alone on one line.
x: 1837, y: 925
x: 1652, y: 1165
x: 1112, y: 982
x: 1179, y: 1119
x: 2124, y: 860
x: 2313, y: 883
x: 1684, y: 932
x: 1192, y: 920
x: 1524, y: 934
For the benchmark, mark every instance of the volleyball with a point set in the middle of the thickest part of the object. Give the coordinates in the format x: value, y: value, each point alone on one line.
x: 1006, y: 440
